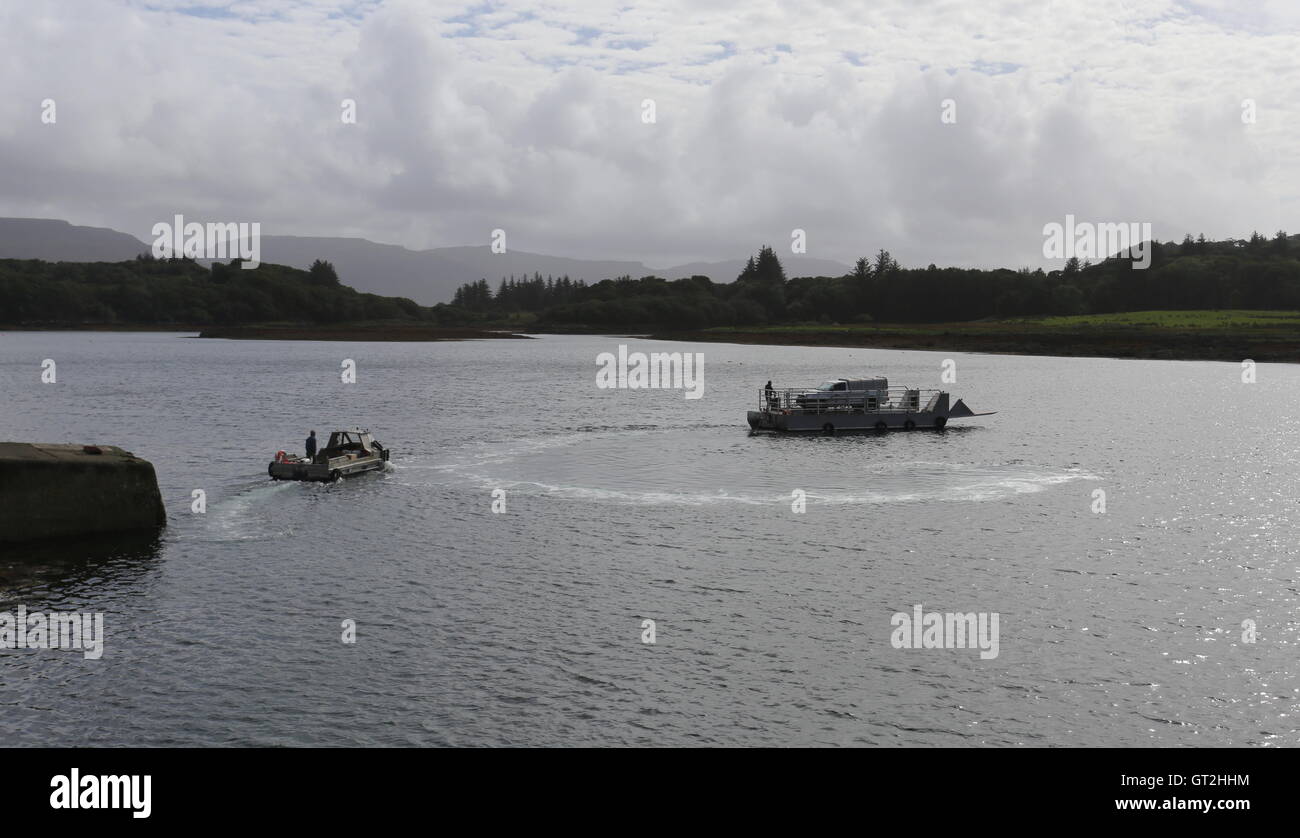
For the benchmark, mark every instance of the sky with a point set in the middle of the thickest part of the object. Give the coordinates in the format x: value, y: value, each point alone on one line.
x: 768, y: 116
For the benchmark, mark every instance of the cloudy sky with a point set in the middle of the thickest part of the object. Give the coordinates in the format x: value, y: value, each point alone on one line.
x: 770, y: 115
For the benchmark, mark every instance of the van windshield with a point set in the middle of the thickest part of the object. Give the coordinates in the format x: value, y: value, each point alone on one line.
x: 831, y: 385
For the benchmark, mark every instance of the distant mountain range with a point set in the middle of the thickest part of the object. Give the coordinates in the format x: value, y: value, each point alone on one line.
x: 426, y: 276
x: 59, y: 241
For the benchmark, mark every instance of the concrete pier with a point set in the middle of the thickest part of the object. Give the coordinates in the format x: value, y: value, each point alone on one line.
x: 49, y: 491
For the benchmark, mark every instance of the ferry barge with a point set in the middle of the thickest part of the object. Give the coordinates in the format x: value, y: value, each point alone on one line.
x: 865, y: 404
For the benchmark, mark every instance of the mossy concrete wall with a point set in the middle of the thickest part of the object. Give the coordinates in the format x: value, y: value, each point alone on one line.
x: 49, y: 491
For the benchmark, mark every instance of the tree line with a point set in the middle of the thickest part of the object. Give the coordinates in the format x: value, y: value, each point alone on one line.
x: 512, y: 295
x: 1256, y: 273
x: 149, y: 291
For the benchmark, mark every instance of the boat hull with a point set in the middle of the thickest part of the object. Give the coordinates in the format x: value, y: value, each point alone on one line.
x: 902, y: 410
x: 832, y: 422
x: 322, y: 472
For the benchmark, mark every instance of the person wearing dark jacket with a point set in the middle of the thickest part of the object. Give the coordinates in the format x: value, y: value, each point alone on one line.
x: 311, y: 446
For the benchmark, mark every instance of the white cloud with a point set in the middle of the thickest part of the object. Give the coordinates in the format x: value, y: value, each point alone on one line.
x: 477, y: 116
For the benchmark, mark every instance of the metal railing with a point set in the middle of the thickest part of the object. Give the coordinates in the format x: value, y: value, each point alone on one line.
x: 890, y: 400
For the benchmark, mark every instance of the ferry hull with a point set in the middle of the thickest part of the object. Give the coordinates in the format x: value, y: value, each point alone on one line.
x: 830, y: 423
x: 783, y: 414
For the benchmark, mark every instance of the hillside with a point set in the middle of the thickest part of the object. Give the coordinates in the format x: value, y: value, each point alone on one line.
x: 59, y: 241
x: 426, y: 276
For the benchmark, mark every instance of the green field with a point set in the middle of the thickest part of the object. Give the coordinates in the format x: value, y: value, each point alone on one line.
x: 1196, y: 320
x: 1225, y: 320
x: 1229, y: 335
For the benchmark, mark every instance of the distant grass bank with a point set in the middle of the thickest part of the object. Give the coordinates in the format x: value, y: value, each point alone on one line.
x: 1230, y: 335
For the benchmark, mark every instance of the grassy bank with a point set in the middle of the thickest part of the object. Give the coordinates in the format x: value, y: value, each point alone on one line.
x: 1183, y: 335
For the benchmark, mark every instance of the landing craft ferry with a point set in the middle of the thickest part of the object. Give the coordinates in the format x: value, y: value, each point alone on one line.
x: 855, y: 404
x: 348, y: 453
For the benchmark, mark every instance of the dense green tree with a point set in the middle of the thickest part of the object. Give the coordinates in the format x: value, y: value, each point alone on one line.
x: 323, y: 273
x: 884, y: 265
x: 862, y: 269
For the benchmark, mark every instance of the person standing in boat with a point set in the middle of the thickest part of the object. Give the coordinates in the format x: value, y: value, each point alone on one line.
x: 771, y: 394
x: 311, y: 446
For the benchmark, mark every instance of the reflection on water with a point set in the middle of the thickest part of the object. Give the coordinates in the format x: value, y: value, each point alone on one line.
x: 62, y: 570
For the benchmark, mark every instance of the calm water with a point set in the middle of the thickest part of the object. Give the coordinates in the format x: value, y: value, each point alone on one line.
x: 773, y: 628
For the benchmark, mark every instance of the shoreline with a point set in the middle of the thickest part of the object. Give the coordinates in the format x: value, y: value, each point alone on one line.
x: 395, y: 332
x: 1140, y: 345
x: 1269, y: 343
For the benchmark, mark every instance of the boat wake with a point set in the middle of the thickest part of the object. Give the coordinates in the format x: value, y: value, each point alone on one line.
x: 628, y: 473
x: 248, y: 515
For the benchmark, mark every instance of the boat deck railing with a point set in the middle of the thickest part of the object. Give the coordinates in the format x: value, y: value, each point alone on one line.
x: 806, y: 400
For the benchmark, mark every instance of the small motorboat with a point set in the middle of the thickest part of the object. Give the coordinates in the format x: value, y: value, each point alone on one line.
x: 348, y: 453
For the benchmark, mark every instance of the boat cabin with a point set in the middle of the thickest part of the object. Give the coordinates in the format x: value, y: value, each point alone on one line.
x: 343, y: 443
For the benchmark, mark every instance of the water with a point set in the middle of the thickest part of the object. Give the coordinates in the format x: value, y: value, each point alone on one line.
x: 773, y: 628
